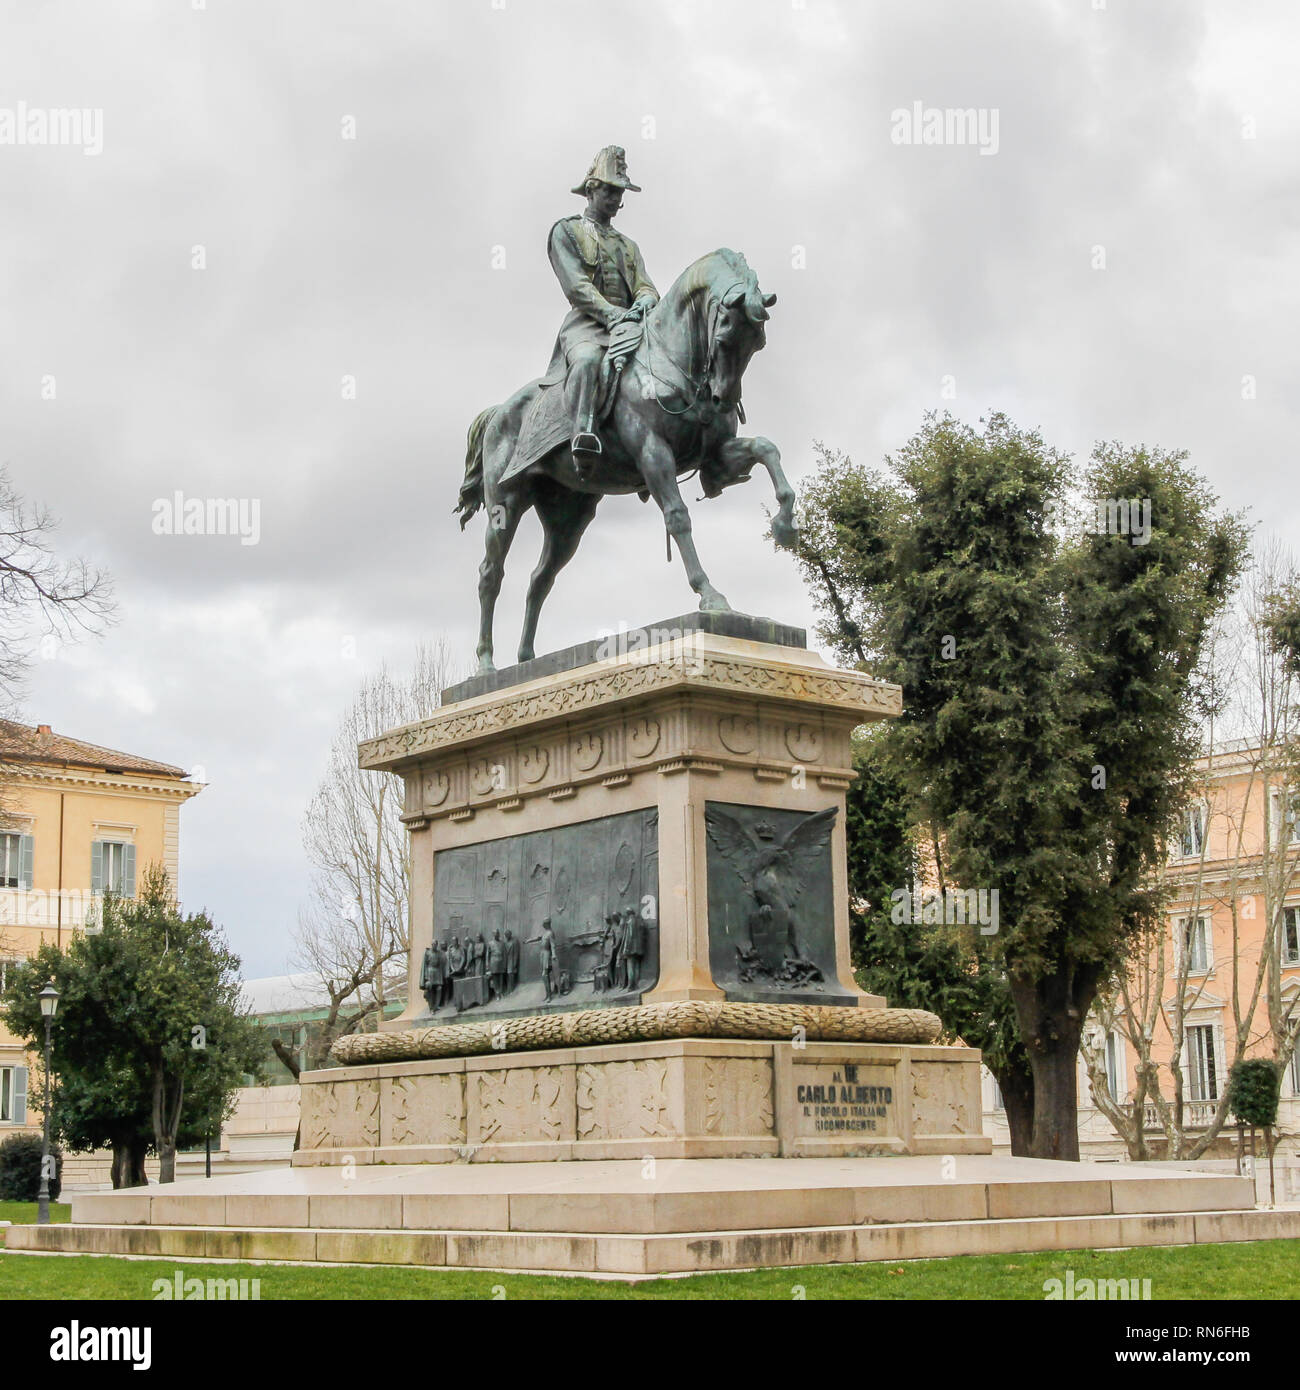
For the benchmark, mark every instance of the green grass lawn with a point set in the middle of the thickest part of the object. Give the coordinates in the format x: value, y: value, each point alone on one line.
x: 25, y: 1212
x: 1259, y: 1269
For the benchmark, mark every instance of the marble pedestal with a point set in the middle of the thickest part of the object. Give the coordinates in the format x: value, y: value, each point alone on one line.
x: 580, y: 784
x: 672, y: 796
x: 683, y: 1098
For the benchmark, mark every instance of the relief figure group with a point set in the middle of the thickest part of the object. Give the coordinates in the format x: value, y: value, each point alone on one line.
x: 474, y: 969
x: 622, y: 946
x: 470, y: 969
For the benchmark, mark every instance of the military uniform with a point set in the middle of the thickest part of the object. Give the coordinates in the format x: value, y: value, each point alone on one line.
x: 496, y: 964
x: 512, y: 961
x: 603, y: 276
x: 633, y: 948
x: 549, y: 958
x: 431, y: 976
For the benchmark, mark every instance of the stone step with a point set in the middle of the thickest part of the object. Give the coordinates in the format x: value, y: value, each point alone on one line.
x: 640, y: 1207
x: 682, y: 1196
x: 639, y: 1218
x: 663, y: 1253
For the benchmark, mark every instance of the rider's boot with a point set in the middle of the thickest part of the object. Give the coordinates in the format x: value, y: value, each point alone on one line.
x: 585, y: 444
x: 586, y: 447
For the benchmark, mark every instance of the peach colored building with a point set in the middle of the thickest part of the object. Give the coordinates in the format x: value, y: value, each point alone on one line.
x: 1234, y: 929
x: 78, y: 819
x: 1234, y: 879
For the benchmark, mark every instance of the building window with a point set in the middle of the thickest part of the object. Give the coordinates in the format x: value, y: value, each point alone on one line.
x: 1115, y: 1070
x: 1192, y: 840
x: 1202, y: 1072
x: 1194, y: 943
x: 1295, y: 1072
x: 1291, y: 936
x: 13, y: 1095
x: 1286, y: 816
x: 16, y: 861
x: 112, y: 868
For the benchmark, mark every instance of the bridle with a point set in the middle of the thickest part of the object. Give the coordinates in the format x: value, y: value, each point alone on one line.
x: 715, y: 313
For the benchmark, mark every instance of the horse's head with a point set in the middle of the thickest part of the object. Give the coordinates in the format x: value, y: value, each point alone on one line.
x: 737, y: 310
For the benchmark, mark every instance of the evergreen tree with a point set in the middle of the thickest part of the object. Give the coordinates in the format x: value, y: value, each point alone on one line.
x: 1047, y: 671
x: 955, y: 973
x: 150, y: 1042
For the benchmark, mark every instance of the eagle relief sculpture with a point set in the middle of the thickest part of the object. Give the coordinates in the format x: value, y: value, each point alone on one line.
x: 775, y: 871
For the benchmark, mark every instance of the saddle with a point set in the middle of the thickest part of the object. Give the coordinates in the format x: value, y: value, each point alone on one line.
x: 547, y: 425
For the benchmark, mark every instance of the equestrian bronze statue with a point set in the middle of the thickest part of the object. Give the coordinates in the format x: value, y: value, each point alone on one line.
x: 640, y: 391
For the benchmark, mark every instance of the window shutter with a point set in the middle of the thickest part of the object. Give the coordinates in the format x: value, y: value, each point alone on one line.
x: 20, y: 1095
x: 128, y: 871
x: 1193, y: 1061
x: 27, y: 854
x: 97, y: 867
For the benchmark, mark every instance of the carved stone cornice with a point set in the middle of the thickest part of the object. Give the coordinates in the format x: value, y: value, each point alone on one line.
x: 599, y: 688
x: 84, y: 779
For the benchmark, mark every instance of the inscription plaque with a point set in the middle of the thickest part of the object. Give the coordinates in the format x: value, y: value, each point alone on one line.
x: 844, y: 1099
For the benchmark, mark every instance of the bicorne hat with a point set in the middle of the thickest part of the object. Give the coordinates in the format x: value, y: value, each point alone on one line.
x: 609, y: 166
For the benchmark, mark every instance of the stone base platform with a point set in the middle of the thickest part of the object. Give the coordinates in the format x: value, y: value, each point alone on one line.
x: 636, y: 1218
x: 672, y: 1098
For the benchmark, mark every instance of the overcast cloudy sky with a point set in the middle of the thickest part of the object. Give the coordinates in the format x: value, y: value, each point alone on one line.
x: 1164, y: 131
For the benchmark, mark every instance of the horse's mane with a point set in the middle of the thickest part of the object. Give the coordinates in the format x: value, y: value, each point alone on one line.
x: 701, y: 274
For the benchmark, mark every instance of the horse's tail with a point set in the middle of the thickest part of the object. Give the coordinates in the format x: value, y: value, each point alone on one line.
x: 471, y: 490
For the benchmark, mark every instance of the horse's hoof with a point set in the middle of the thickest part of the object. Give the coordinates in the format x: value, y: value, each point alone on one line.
x: 485, y: 666
x: 714, y: 603
x: 526, y: 654
x: 785, y: 534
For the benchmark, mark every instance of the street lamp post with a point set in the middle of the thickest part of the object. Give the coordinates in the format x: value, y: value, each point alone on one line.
x: 49, y: 998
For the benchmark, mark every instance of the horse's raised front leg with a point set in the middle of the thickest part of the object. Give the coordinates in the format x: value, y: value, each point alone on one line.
x: 739, y: 456
x: 564, y: 516
x: 502, y: 521
x: 659, y: 470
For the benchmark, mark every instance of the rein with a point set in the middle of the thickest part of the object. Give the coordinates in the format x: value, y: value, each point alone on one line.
x: 708, y: 365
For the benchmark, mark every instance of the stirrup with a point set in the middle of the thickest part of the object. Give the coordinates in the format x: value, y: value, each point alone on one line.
x: 586, y: 448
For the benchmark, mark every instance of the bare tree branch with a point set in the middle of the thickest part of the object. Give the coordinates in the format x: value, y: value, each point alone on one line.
x: 41, y: 594
x: 354, y: 935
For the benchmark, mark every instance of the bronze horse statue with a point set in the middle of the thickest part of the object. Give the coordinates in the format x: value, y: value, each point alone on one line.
x: 676, y: 409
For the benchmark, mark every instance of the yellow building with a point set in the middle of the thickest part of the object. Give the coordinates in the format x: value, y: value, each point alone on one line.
x: 77, y: 820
